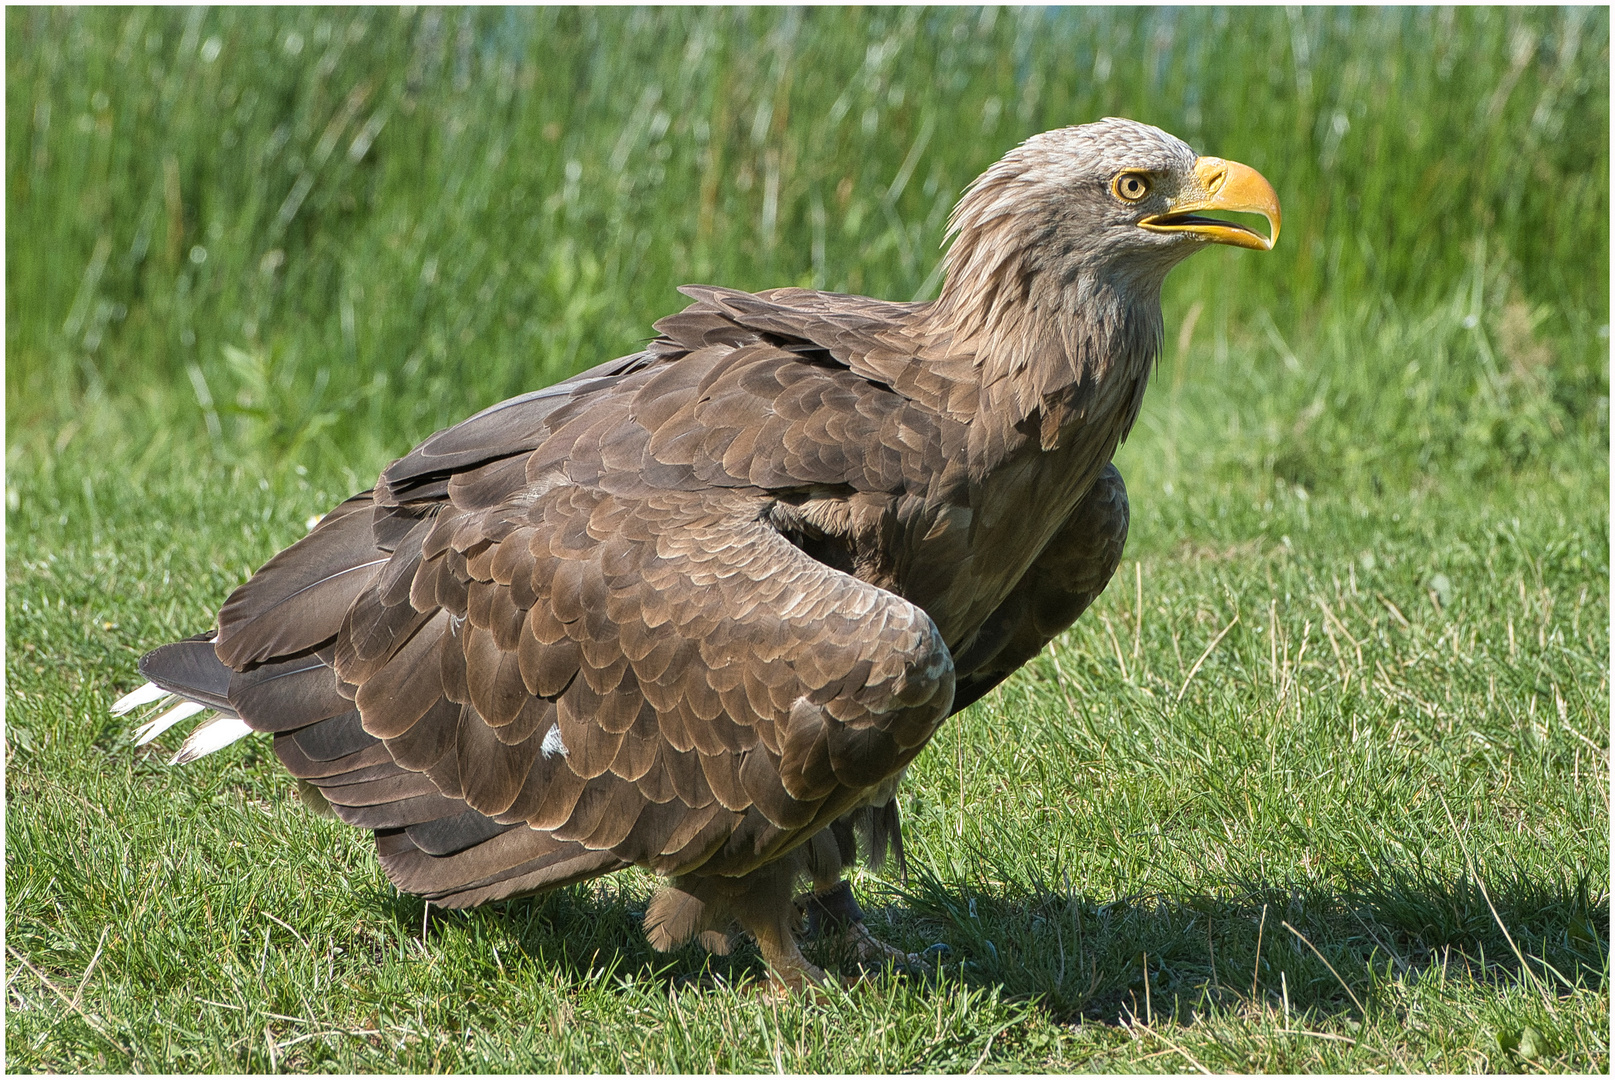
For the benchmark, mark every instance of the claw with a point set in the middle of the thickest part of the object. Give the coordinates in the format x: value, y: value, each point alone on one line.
x: 789, y: 972
x: 854, y: 946
x: 836, y: 925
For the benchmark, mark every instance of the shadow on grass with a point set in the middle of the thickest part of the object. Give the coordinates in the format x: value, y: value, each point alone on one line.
x: 1312, y: 951
x: 592, y: 932
x: 1305, y: 949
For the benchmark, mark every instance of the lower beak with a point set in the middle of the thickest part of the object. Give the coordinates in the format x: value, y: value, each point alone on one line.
x: 1225, y: 186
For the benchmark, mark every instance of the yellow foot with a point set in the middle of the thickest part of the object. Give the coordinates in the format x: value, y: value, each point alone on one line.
x: 795, y: 978
x: 807, y: 981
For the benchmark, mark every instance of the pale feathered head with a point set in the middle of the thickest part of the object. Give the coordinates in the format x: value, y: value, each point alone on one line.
x: 1113, y: 197
x: 1057, y: 258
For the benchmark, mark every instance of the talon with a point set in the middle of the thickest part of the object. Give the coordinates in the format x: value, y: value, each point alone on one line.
x: 789, y: 972
x: 854, y: 944
x: 808, y: 980
x: 837, y: 923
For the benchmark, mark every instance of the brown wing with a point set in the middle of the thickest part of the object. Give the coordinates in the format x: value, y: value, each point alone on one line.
x: 1069, y: 575
x: 514, y: 426
x: 609, y: 682
x: 569, y: 640
x: 668, y: 681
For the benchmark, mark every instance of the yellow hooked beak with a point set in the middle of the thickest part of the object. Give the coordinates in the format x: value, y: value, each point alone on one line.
x: 1223, y: 186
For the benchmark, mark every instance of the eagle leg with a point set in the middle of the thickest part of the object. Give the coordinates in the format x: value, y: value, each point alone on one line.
x: 788, y: 970
x: 836, y: 926
x: 760, y: 903
x: 771, y: 927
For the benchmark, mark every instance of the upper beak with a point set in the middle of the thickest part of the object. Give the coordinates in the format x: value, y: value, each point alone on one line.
x: 1223, y: 186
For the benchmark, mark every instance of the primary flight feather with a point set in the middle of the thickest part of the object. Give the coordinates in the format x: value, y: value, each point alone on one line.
x: 698, y: 608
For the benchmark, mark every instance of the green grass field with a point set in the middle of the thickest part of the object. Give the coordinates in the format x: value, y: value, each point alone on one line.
x: 1321, y: 783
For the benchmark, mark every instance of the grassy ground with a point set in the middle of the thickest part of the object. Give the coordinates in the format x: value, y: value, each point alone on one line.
x: 1320, y: 783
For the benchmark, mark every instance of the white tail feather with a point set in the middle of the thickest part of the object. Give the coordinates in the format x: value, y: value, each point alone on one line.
x: 145, y: 695
x: 145, y: 733
x: 216, y: 734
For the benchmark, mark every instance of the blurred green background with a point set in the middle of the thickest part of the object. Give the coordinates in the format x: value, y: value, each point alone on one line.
x: 327, y: 232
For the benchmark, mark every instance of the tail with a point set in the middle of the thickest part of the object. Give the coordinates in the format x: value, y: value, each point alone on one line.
x: 290, y: 607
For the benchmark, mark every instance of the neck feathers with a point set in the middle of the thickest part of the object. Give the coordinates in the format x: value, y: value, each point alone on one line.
x: 1056, y: 335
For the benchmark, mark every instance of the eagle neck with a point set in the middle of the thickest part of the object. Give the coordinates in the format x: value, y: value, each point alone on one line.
x: 1060, y: 350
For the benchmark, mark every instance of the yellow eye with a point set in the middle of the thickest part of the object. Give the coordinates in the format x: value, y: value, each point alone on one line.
x: 1132, y: 186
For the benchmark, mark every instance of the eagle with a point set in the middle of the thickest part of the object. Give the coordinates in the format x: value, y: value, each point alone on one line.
x: 697, y: 609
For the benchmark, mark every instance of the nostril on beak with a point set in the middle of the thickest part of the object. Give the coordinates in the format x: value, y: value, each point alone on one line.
x: 1212, y: 172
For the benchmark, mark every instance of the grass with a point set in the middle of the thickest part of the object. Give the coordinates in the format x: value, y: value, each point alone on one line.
x: 1321, y: 782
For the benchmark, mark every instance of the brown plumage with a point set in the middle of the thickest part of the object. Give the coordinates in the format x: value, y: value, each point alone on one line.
x: 698, y: 608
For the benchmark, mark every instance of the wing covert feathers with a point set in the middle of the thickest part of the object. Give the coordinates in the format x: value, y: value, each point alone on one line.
x: 629, y: 676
